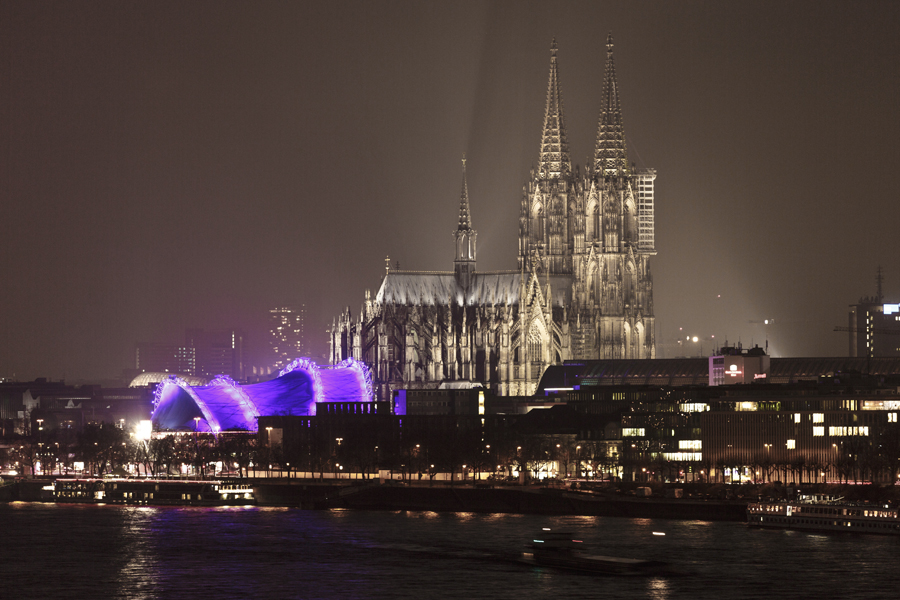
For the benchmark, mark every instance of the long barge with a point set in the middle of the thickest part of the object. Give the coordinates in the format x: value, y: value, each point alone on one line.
x: 560, y: 551
x: 824, y: 514
x: 177, y: 492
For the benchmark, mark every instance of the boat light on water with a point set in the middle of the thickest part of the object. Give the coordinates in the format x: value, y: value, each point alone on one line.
x: 559, y: 550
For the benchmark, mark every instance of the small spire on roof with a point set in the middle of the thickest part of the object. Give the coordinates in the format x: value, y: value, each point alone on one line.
x: 465, y: 220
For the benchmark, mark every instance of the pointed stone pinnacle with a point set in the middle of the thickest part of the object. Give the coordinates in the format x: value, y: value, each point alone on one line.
x: 554, y: 154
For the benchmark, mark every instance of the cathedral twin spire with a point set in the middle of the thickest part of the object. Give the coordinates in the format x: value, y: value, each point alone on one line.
x: 610, y: 154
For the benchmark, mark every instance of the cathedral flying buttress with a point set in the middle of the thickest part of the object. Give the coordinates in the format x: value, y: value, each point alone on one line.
x: 582, y: 288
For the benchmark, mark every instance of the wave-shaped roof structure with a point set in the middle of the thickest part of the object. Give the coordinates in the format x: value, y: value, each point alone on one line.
x: 225, y: 405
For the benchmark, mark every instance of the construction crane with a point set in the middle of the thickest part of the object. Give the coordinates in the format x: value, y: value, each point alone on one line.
x: 869, y: 349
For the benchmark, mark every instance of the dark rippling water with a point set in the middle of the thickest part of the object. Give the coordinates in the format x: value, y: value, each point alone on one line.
x: 84, y: 551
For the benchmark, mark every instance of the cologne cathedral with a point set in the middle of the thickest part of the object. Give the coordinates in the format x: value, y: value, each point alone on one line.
x: 582, y: 289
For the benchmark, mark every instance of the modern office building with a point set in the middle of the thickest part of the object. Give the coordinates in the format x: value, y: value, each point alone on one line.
x: 219, y: 352
x: 165, y: 358
x: 734, y: 364
x: 874, y: 328
x: 874, y: 325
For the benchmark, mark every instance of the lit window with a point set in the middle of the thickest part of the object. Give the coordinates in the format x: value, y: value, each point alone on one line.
x: 796, y: 417
x: 689, y: 445
x: 892, y: 417
x: 818, y: 417
x: 818, y: 431
x: 633, y: 432
x: 791, y: 444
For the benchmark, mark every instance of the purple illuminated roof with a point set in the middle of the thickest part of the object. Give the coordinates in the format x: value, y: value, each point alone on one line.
x: 226, y: 405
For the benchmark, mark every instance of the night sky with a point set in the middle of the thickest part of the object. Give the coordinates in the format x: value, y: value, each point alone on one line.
x: 177, y: 164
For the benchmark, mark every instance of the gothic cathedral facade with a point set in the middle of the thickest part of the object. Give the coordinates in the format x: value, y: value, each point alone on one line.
x: 582, y: 289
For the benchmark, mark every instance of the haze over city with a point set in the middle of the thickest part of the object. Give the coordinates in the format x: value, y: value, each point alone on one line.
x: 169, y: 165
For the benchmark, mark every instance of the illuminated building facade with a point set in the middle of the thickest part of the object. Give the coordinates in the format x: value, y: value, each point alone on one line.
x: 582, y: 289
x: 733, y: 365
x: 838, y: 425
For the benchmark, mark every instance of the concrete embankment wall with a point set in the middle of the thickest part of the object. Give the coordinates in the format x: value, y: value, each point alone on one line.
x: 312, y: 494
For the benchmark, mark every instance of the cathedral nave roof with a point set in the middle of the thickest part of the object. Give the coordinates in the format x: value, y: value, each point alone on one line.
x: 437, y: 288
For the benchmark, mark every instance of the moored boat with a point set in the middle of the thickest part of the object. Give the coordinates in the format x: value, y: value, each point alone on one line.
x: 816, y: 512
x: 181, y: 492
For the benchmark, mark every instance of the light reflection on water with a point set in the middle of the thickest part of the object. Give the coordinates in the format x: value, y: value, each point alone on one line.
x: 63, y: 551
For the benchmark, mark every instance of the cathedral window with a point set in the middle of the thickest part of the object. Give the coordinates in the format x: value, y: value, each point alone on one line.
x: 537, y: 223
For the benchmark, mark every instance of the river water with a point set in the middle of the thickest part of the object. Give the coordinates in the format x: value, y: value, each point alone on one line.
x: 95, y: 551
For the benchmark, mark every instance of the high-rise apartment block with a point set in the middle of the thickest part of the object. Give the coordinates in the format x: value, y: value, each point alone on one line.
x: 287, y: 337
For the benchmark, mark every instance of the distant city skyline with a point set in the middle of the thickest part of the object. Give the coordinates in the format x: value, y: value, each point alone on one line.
x: 203, y: 353
x: 170, y: 165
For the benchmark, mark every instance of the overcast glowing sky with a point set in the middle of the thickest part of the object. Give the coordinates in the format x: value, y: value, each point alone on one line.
x: 175, y: 164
